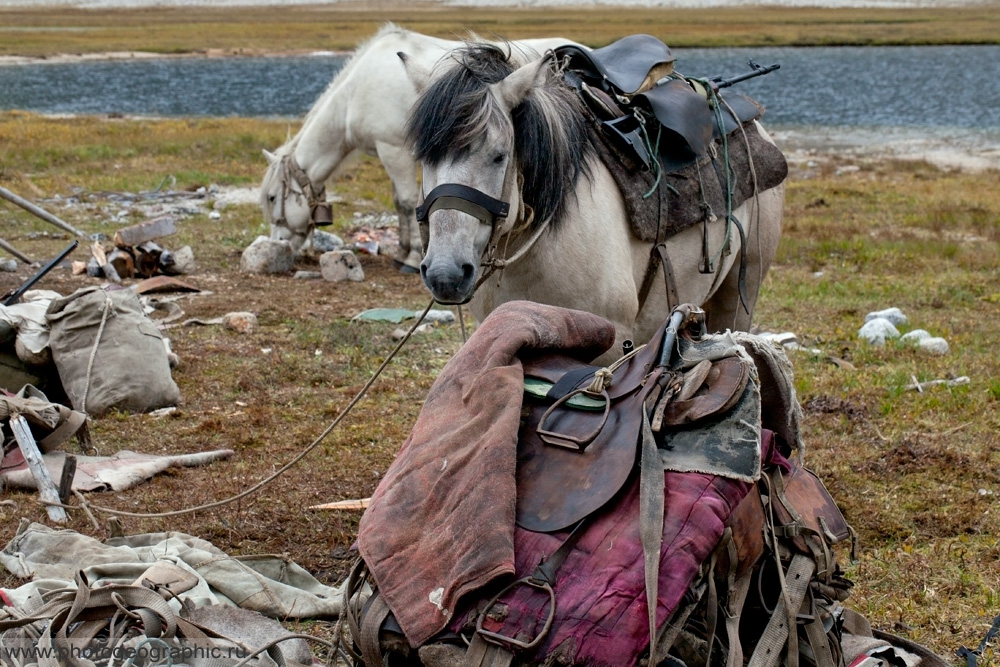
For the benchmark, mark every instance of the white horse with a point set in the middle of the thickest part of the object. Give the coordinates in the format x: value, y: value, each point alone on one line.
x: 502, y: 135
x: 363, y: 110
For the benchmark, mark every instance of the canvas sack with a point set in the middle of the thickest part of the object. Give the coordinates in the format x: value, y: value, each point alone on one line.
x: 108, y: 352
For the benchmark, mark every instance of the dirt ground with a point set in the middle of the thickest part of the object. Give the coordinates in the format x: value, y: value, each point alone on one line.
x: 266, y: 394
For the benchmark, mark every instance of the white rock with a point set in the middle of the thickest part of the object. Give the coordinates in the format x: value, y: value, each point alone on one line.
x: 894, y: 315
x: 340, y: 265
x: 914, y: 337
x: 214, y: 215
x: 266, y: 255
x: 877, y: 331
x: 934, y: 345
x: 786, y: 338
x: 437, y: 316
x: 307, y: 275
x: 8, y: 265
x: 241, y: 322
x: 326, y: 242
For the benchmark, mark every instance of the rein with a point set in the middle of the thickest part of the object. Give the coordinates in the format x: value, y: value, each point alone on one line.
x: 320, y: 212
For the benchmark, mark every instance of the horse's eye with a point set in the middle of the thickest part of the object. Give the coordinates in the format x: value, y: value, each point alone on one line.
x: 499, y: 158
x: 271, y: 198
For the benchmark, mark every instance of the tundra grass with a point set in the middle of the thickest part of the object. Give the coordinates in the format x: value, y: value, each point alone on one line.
x: 916, y: 473
x: 250, y: 30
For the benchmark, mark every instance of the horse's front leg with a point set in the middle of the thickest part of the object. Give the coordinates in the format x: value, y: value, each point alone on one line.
x: 402, y: 170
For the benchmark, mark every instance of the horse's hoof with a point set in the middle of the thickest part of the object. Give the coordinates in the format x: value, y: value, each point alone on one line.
x: 407, y: 269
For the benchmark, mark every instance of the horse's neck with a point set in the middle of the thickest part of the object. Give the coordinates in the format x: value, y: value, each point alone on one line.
x: 321, y: 144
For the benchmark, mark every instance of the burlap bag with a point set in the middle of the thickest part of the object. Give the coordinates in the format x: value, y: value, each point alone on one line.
x: 108, y: 352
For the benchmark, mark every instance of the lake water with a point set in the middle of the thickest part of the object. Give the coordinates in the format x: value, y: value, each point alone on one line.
x: 866, y: 94
x: 941, y: 86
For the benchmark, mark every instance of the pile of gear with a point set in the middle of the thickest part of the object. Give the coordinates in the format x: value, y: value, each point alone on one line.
x: 656, y: 511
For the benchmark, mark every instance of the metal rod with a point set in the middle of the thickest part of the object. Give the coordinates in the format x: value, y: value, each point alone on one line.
x: 41, y: 213
x: 15, y: 296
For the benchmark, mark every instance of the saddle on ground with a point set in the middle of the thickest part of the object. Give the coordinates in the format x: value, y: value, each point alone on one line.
x: 664, y: 516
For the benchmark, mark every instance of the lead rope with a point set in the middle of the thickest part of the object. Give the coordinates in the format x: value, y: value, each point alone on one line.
x: 298, y: 457
x: 108, y: 306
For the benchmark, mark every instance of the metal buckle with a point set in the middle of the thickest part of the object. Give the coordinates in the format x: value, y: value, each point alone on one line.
x: 502, y: 640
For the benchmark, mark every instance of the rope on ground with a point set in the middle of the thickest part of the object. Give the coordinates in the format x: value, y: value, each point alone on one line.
x: 298, y: 457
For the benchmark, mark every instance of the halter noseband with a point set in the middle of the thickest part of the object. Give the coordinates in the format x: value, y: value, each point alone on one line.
x: 320, y: 211
x: 462, y: 198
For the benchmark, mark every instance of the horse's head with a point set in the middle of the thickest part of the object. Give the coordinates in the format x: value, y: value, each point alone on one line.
x: 289, y: 201
x: 494, y: 151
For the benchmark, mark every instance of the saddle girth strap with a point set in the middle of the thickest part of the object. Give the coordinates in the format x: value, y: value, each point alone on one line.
x: 658, y: 257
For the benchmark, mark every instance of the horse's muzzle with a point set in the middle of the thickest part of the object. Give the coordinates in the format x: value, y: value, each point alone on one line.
x: 449, y: 283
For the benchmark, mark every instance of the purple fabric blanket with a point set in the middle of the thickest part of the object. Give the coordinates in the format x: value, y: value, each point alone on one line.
x: 441, y: 522
x: 601, y: 618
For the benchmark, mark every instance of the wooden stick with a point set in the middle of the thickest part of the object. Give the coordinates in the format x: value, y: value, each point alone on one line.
x: 41, y: 213
x: 46, y: 488
x: 359, y: 504
x: 12, y: 250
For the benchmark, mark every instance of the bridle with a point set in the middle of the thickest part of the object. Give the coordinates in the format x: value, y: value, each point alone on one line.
x: 488, y: 210
x: 320, y: 211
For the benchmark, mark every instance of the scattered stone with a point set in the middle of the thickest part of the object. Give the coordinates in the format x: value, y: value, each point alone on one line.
x: 8, y: 265
x: 240, y: 322
x: 934, y: 345
x: 914, y: 337
x: 786, y: 338
x: 400, y: 333
x: 877, y: 331
x: 326, y: 242
x: 307, y: 275
x: 214, y: 215
x: 267, y: 255
x: 340, y: 265
x: 177, y: 262
x: 894, y: 315
x: 442, y: 316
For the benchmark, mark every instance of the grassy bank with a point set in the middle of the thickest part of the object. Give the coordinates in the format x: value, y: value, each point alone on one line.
x: 45, y: 32
x: 915, y: 472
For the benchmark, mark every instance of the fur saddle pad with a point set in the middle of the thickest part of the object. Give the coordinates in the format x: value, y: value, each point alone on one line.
x: 696, y: 192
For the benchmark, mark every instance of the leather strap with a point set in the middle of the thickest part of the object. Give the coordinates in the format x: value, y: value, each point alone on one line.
x: 482, y: 653
x: 371, y: 626
x: 778, y: 631
x: 463, y: 198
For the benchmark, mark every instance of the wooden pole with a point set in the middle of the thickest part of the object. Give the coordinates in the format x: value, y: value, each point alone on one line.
x: 41, y: 213
x: 36, y: 464
x: 12, y: 250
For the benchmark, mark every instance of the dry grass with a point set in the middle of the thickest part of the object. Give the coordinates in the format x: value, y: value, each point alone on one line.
x: 916, y: 473
x: 248, y: 30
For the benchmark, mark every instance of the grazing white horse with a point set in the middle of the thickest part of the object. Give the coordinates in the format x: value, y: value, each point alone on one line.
x: 363, y: 110
x: 499, y: 134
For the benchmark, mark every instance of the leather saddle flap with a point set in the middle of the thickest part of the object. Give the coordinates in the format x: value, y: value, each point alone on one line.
x: 720, y: 389
x: 558, y: 486
x: 682, y: 110
x: 817, y: 510
x: 625, y: 64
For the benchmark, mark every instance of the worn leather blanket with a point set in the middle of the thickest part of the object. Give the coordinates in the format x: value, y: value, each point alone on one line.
x: 684, y: 197
x: 441, y: 522
x: 601, y: 618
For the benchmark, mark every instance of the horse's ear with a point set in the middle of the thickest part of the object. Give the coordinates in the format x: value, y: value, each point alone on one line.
x: 518, y: 85
x: 271, y: 157
x: 419, y: 75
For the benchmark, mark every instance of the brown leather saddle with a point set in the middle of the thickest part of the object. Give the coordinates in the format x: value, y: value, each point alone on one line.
x: 579, y: 440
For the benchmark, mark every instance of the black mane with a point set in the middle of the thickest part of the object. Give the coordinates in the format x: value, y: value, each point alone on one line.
x: 552, y: 138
